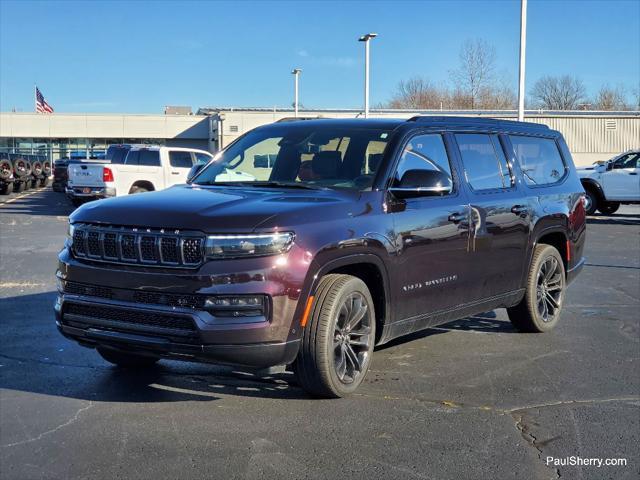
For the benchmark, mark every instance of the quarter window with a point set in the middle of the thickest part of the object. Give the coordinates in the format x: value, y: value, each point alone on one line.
x: 485, y: 165
x: 424, y: 152
x: 180, y: 159
x: 539, y: 159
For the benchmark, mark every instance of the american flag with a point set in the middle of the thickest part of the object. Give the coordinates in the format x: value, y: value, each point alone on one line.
x: 41, y: 104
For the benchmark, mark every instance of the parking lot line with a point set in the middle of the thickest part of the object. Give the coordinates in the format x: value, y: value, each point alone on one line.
x: 11, y: 200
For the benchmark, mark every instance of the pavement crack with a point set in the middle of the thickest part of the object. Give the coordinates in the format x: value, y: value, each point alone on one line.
x: 73, y: 419
x: 531, y: 439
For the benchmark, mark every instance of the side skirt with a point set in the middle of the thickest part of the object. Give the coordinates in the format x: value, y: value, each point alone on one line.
x: 421, y: 322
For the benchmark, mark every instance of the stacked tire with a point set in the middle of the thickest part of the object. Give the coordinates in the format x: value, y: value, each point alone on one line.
x: 6, y: 175
x: 21, y: 172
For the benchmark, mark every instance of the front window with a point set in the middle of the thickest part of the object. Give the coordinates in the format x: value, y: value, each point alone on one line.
x: 300, y: 156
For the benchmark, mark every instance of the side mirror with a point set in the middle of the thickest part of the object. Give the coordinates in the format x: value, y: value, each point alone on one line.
x: 609, y: 166
x: 423, y: 183
x: 194, y: 171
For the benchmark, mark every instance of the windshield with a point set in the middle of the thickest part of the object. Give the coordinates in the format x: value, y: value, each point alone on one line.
x: 300, y: 156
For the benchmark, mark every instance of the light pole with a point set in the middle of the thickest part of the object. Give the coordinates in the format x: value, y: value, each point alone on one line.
x: 523, y: 50
x: 296, y: 74
x: 366, y: 39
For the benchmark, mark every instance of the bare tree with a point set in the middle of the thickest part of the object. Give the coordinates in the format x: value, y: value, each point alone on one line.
x: 611, y: 99
x: 417, y: 93
x: 559, y: 93
x: 475, y: 73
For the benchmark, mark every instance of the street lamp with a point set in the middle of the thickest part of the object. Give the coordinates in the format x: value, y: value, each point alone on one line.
x: 296, y: 74
x: 366, y: 38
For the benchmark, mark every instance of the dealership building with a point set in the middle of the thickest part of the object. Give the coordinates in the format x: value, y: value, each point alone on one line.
x: 591, y: 136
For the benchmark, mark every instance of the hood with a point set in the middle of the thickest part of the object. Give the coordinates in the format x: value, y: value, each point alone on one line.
x: 210, y: 209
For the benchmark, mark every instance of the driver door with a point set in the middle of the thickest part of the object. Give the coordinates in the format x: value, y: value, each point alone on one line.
x: 431, y: 235
x: 622, y: 182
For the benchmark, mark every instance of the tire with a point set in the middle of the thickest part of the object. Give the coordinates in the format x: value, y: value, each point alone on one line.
x: 334, y: 358
x: 6, y: 188
x: 135, y: 190
x: 608, y: 208
x: 26, y: 184
x: 539, y: 310
x: 592, y: 201
x: 18, y: 187
x: 44, y: 182
x: 6, y: 170
x: 127, y: 360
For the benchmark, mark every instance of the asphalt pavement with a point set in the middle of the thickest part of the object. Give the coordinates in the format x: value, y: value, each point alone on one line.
x: 468, y: 400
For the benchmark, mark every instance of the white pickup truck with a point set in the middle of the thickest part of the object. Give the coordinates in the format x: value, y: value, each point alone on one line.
x: 144, y: 168
x: 615, y: 182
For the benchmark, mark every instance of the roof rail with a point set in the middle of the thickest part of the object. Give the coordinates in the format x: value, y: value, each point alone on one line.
x: 297, y: 119
x: 476, y: 121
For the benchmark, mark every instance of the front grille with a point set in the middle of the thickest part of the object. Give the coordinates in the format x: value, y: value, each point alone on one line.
x: 140, y: 246
x: 152, y: 298
x: 112, y: 316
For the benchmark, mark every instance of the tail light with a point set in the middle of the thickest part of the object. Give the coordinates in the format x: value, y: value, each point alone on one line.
x: 107, y: 175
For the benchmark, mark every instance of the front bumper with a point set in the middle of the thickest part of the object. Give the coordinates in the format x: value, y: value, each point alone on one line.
x: 124, y: 290
x: 90, y: 192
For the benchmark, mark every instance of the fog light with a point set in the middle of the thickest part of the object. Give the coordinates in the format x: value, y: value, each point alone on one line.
x: 237, y: 306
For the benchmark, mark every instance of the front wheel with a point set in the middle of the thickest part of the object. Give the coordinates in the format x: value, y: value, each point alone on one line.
x: 539, y: 310
x: 590, y: 201
x: 126, y: 360
x: 338, y: 340
x: 609, y: 207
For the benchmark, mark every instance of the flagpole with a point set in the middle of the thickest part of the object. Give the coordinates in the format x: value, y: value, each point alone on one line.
x: 35, y: 98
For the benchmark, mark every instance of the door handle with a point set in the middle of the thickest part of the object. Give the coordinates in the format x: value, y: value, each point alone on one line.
x: 175, y: 173
x: 521, y: 210
x: 457, y: 217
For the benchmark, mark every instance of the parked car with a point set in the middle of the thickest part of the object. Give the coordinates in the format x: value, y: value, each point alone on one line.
x: 612, y: 183
x: 361, y: 231
x: 6, y: 174
x: 145, y: 168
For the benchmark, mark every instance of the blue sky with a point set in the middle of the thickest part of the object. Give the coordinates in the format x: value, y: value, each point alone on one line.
x: 136, y: 56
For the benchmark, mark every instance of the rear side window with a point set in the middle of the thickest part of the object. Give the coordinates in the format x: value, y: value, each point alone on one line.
x: 150, y: 158
x: 424, y: 152
x: 116, y: 154
x: 485, y: 165
x: 133, y: 157
x: 539, y: 159
x: 180, y: 159
x: 202, y: 158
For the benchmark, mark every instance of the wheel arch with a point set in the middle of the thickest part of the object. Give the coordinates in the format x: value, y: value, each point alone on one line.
x: 369, y: 268
x: 594, y: 186
x: 143, y: 184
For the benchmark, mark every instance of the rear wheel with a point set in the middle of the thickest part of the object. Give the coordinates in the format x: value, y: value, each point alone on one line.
x: 338, y: 340
x: 126, y: 360
x: 591, y: 201
x: 539, y: 310
x: 609, y: 207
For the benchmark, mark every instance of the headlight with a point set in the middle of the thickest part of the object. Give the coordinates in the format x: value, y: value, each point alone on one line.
x: 70, y: 231
x: 233, y: 246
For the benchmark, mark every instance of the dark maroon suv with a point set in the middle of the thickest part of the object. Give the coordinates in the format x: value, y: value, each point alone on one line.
x: 307, y: 243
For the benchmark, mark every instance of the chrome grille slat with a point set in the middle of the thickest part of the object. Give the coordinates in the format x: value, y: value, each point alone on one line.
x: 138, y: 246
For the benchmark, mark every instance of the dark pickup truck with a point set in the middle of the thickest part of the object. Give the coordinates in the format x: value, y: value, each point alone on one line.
x: 358, y: 232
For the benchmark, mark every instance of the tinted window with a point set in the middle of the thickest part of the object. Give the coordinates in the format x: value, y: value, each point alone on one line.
x: 133, y: 157
x: 485, y: 165
x: 150, y: 158
x: 628, y: 161
x: 180, y: 159
x: 424, y: 152
x: 539, y: 159
x: 117, y: 154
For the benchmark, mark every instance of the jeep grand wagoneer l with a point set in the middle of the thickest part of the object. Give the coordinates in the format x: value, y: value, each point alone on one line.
x: 334, y: 237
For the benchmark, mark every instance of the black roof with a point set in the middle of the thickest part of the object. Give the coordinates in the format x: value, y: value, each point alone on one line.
x: 392, y: 123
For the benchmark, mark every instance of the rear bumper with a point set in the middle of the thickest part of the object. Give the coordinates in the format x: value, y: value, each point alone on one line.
x: 93, y: 192
x: 574, y: 271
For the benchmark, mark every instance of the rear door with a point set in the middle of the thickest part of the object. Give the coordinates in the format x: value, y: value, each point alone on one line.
x: 500, y: 217
x: 622, y: 182
x: 430, y: 233
x: 178, y: 166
